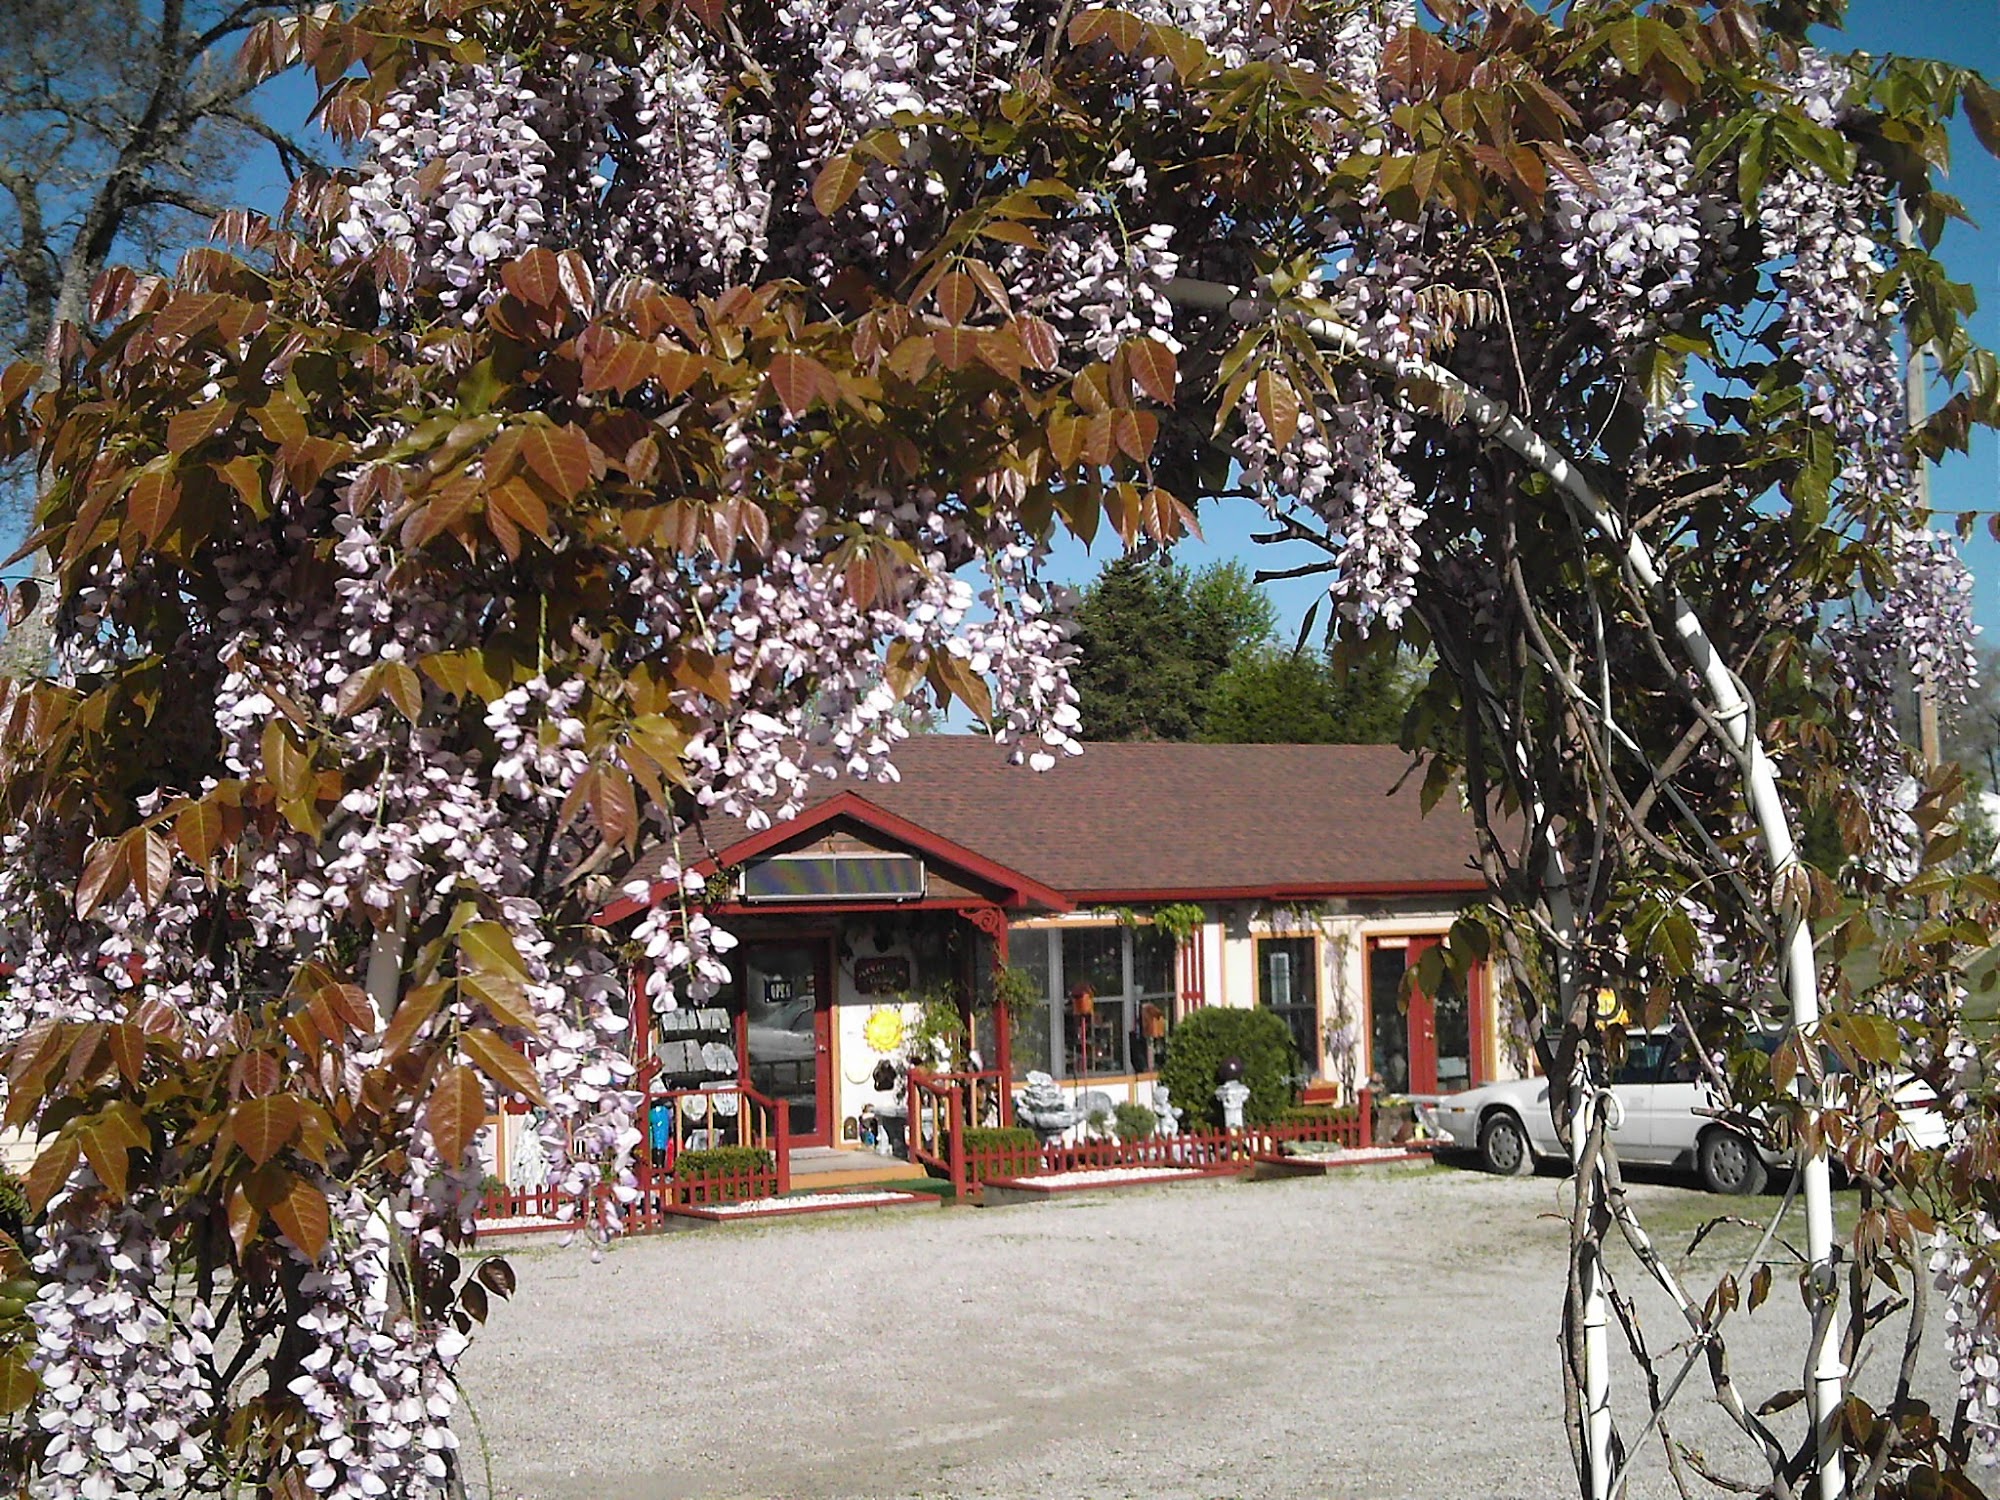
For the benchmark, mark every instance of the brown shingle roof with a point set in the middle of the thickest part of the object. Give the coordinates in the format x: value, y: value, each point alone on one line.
x: 1164, y: 821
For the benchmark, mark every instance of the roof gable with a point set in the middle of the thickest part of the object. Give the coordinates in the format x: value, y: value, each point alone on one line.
x: 979, y: 877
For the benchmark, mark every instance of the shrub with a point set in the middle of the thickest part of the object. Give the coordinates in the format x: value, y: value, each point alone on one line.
x: 1135, y: 1122
x: 1013, y: 1138
x: 1195, y: 1053
x: 723, y: 1161
x: 1317, y: 1114
x: 15, y: 1213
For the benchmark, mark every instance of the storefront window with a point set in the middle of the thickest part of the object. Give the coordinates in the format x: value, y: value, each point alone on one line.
x: 1288, y: 987
x: 1028, y: 952
x: 1130, y: 972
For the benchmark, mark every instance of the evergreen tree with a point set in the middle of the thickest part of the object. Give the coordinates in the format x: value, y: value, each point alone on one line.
x: 1270, y: 695
x: 1153, y: 636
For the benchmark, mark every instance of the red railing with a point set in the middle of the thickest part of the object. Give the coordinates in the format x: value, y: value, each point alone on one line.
x: 705, y: 1119
x: 733, y: 1116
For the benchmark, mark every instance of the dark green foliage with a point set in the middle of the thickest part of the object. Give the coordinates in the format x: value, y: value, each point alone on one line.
x: 1317, y: 1114
x: 1195, y: 1052
x: 723, y: 1161
x: 1151, y: 637
x: 1134, y: 1122
x: 991, y: 1138
x: 1166, y: 653
x: 15, y: 1211
x: 1271, y: 696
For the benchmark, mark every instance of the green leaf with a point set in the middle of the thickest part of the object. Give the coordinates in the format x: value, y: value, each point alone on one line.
x: 489, y: 949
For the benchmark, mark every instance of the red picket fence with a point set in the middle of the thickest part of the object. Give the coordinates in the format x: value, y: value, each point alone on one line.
x: 1208, y: 1151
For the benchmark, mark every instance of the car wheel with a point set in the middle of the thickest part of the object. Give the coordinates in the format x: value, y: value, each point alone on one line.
x: 1730, y: 1164
x: 1503, y: 1146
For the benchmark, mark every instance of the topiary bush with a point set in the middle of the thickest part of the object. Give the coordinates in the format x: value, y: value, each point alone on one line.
x: 1134, y: 1122
x: 1195, y: 1052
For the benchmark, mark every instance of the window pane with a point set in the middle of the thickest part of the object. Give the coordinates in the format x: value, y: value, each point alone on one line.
x: 1288, y: 986
x: 1153, y: 955
x: 1094, y: 956
x: 1028, y: 1046
x: 1389, y: 1031
x: 1454, y: 1036
x: 1095, y: 1043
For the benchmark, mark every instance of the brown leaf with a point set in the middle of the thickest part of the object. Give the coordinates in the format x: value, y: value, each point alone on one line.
x: 1278, y: 405
x: 536, y: 279
x: 418, y: 1006
x: 559, y: 457
x: 243, y: 1218
x: 613, y: 807
x: 956, y: 347
x: 957, y: 295
x: 150, y: 505
x: 302, y: 1217
x: 455, y: 1112
x: 1153, y: 369
x: 501, y: 1063
x: 106, y: 873
x: 51, y: 1170
x: 18, y: 1384
x: 497, y: 1276
x: 256, y: 1074
x: 1123, y: 30
x: 152, y: 862
x: 128, y: 1050
x: 1066, y: 439
x: 836, y: 183
x: 517, y: 501
x: 800, y: 381
x: 198, y: 830
x: 263, y: 1127
x: 108, y: 1138
x: 676, y: 369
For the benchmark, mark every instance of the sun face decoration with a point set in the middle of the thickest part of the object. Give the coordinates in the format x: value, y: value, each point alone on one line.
x: 883, y: 1030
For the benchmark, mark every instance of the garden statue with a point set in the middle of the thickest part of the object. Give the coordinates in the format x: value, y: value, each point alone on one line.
x: 1043, y: 1109
x: 1094, y: 1112
x: 1234, y: 1094
x: 1164, y: 1113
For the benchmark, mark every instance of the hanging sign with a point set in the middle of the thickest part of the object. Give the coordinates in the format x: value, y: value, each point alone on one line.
x: 886, y: 975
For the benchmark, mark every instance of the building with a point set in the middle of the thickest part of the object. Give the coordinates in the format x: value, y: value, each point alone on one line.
x: 1153, y: 879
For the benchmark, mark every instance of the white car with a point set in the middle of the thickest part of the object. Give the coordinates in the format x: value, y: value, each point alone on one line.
x: 1657, y: 1093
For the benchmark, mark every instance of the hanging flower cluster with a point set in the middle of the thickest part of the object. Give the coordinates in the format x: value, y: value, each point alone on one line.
x: 124, y: 1391
x: 1635, y: 242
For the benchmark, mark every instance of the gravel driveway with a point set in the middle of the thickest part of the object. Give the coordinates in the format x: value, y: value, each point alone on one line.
x: 1385, y: 1333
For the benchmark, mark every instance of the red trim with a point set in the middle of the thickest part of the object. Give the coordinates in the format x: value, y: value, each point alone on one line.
x: 1021, y: 890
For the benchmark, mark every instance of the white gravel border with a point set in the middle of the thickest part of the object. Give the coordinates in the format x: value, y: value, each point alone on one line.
x: 752, y: 1206
x: 1102, y: 1177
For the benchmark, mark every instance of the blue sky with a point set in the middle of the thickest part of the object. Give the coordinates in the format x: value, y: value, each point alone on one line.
x: 1966, y: 32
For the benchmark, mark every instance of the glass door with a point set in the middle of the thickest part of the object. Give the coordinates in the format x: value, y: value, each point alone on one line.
x: 787, y: 1032
x: 1426, y: 1046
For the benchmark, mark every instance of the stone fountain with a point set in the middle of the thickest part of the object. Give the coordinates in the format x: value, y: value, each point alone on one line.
x: 1042, y: 1107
